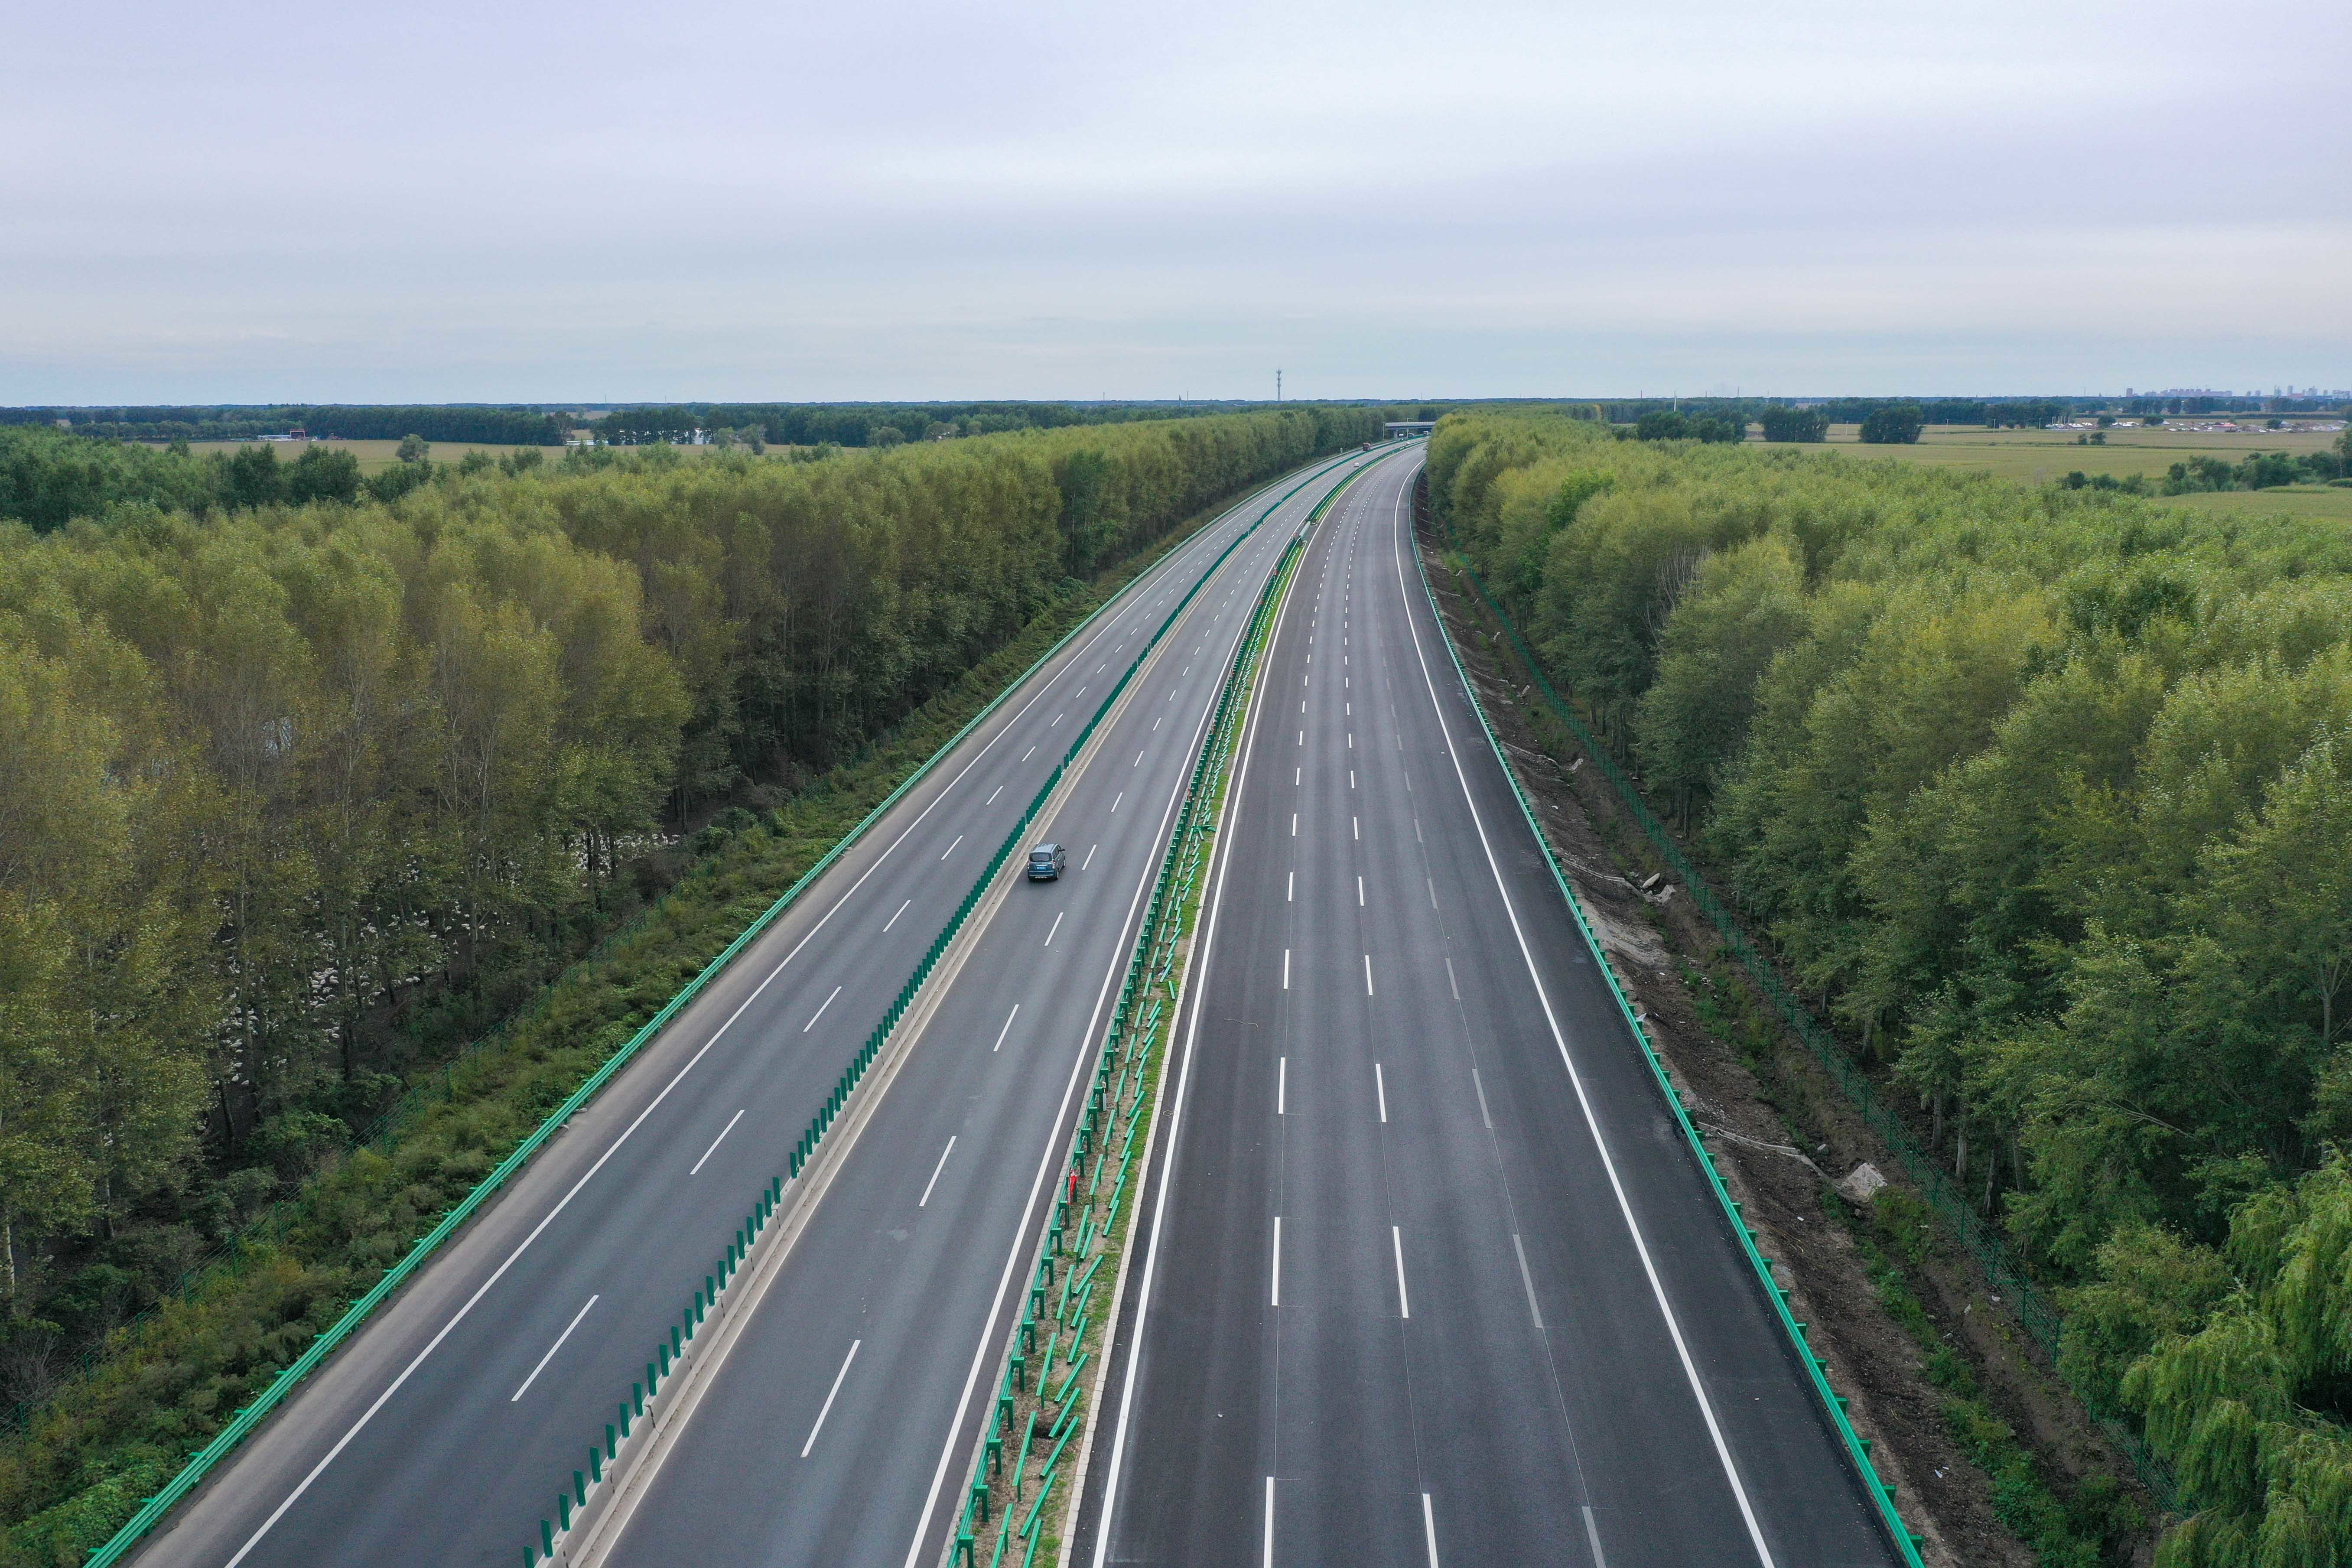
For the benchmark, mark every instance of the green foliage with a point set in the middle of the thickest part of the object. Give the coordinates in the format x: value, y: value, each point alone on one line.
x: 2044, y: 792
x: 2254, y: 471
x: 1668, y: 425
x: 1783, y: 423
x: 2251, y: 1407
x: 1893, y: 424
x: 296, y: 799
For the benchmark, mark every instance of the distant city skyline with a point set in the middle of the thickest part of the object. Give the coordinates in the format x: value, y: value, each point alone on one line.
x: 533, y: 203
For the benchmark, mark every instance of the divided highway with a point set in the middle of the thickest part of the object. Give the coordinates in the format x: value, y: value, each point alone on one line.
x: 1430, y: 1276
x: 441, y: 1432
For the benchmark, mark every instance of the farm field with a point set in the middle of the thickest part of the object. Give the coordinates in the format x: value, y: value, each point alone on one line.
x: 2038, y: 457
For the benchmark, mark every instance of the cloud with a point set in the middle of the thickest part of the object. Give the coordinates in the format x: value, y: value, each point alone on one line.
x: 588, y: 201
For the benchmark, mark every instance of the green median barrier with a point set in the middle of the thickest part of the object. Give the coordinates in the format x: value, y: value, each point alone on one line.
x: 1856, y: 1447
x: 1128, y: 1042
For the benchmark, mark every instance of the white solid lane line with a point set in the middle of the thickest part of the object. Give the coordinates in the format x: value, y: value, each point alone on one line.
x: 556, y: 1346
x: 951, y: 848
x: 924, y: 1201
x: 1057, y: 926
x: 832, y: 1393
x: 1529, y: 1280
x: 1381, y: 1086
x: 1276, y: 1301
x: 1404, y: 1303
x: 1429, y: 1528
x: 1002, y: 1032
x: 715, y: 1143
x: 820, y: 1011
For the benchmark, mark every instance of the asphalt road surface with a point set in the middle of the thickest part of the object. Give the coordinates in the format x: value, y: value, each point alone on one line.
x: 1431, y: 1276
x: 441, y: 1432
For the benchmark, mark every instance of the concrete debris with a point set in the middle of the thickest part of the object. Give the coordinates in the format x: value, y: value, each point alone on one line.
x: 1862, y: 1184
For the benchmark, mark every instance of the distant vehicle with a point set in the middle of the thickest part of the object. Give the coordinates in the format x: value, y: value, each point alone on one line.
x: 1045, y: 863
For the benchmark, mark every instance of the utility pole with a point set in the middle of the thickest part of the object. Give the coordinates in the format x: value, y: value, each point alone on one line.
x: 1277, y: 387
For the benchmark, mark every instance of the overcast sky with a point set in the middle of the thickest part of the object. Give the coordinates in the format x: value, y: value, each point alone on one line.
x: 253, y: 202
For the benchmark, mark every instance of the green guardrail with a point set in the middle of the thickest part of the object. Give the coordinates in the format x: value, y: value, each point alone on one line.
x: 2009, y: 1285
x: 1857, y: 1447
x: 1079, y: 1231
x: 572, y: 1498
x: 242, y: 1424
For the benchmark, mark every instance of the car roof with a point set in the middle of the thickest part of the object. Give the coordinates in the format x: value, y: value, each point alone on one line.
x: 1042, y: 849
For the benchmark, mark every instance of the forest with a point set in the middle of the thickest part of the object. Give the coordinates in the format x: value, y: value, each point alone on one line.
x: 297, y: 799
x: 2043, y: 794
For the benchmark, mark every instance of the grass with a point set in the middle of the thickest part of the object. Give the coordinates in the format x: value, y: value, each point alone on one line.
x: 2040, y: 457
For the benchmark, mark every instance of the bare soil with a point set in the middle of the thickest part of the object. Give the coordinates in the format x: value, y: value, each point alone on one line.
x: 1783, y: 1134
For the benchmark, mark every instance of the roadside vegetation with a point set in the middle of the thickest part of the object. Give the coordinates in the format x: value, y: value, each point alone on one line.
x: 297, y: 801
x: 2042, y: 794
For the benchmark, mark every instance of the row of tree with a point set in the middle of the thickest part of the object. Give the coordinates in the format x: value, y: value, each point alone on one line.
x: 488, y: 425
x: 2047, y: 794
x: 296, y: 798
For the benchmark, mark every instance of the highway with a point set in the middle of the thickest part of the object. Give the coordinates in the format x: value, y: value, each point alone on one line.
x: 1429, y: 1275
x: 442, y: 1432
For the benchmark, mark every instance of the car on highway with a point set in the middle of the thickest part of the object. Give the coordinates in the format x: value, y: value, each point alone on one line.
x: 1046, y: 862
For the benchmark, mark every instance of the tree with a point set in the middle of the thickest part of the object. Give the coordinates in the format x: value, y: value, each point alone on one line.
x: 1893, y: 424
x: 322, y: 473
x: 1783, y: 422
x: 414, y: 449
x: 254, y: 477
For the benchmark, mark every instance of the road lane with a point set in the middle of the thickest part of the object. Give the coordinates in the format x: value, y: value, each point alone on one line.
x: 1513, y: 1325
x: 407, y: 1446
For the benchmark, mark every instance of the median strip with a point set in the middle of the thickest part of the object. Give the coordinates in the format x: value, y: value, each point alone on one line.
x: 1033, y: 1418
